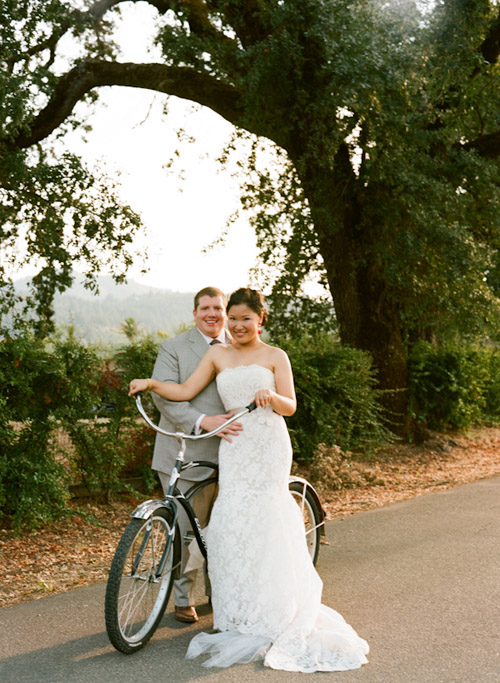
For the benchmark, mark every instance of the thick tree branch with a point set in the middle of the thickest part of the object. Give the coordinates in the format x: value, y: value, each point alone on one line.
x: 198, y: 17
x: 196, y: 13
x: 487, y: 146
x: 247, y: 18
x: 490, y: 47
x: 182, y: 82
x: 99, y: 8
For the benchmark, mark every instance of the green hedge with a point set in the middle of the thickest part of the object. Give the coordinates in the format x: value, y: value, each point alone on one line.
x: 454, y: 387
x: 61, y: 384
x: 32, y: 384
x: 337, y: 400
x: 49, y: 386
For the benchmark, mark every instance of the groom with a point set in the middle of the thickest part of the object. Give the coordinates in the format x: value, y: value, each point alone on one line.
x: 176, y: 360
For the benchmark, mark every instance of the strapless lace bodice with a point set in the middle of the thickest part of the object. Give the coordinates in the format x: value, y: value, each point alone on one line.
x: 237, y: 386
x: 266, y: 593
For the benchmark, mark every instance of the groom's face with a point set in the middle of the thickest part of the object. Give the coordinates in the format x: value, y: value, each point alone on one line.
x: 210, y: 315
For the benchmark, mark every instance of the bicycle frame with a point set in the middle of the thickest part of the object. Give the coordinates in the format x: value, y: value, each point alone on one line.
x: 174, y: 496
x: 148, y: 558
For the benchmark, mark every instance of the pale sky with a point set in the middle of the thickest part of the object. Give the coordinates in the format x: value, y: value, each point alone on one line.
x: 131, y: 137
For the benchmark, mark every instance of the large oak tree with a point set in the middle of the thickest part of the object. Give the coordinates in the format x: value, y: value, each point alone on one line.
x: 387, y: 114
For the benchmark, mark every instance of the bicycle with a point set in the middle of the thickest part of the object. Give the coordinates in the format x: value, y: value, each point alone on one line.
x: 148, y: 556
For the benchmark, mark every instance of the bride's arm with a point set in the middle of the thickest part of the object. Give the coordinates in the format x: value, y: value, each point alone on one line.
x: 283, y: 400
x: 202, y: 376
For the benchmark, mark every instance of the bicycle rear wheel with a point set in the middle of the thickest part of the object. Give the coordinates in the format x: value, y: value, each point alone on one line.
x: 136, y: 596
x: 312, y: 516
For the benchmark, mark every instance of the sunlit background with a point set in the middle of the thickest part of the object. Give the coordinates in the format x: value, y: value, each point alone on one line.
x: 184, y: 206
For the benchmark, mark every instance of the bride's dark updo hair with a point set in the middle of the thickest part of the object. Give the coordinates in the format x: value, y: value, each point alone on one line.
x: 251, y: 298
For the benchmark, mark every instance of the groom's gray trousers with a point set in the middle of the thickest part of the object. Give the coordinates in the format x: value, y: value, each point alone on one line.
x: 202, y: 505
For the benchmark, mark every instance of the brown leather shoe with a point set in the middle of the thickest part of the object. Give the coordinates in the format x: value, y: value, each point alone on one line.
x: 186, y: 614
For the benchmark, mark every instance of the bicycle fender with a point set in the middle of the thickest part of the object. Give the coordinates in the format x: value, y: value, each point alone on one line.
x: 146, y: 509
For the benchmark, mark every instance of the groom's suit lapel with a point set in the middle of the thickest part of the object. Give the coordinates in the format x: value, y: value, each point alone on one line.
x: 197, y: 344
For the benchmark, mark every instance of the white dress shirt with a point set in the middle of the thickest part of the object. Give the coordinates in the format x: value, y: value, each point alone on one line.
x: 222, y: 338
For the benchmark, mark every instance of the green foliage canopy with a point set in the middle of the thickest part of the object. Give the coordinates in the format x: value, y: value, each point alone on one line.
x: 386, y: 115
x: 53, y: 211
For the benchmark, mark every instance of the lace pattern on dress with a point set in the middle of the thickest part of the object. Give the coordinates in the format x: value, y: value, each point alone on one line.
x: 266, y: 593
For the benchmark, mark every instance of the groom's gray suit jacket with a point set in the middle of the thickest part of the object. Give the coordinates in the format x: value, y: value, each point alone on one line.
x: 176, y: 360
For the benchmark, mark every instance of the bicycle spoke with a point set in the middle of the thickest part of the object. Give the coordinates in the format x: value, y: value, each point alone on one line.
x: 313, y: 528
x: 132, y: 604
x: 137, y: 592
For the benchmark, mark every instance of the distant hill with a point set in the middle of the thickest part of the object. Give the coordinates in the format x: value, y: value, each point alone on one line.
x: 98, y: 318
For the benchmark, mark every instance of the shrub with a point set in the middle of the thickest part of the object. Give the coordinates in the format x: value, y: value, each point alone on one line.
x: 32, y: 481
x: 337, y: 402
x: 492, y: 385
x: 51, y: 384
x: 110, y: 442
x: 451, y: 387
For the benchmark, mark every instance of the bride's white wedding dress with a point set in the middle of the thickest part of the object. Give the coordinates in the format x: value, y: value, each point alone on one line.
x: 266, y: 594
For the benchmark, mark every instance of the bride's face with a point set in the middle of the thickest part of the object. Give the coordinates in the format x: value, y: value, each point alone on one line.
x: 243, y: 323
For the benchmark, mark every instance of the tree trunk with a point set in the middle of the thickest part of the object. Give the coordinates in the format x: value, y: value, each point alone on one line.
x: 368, y: 319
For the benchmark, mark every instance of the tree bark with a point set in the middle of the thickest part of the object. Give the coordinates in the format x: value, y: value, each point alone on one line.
x: 368, y: 318
x: 182, y: 82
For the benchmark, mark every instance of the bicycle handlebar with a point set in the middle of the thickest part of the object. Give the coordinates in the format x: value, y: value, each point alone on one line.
x: 190, y: 437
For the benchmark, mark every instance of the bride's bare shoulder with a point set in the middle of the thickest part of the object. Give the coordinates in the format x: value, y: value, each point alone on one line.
x: 276, y: 355
x: 220, y: 354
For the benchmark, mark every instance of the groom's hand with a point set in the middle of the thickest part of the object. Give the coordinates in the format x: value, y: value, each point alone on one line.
x: 211, y: 422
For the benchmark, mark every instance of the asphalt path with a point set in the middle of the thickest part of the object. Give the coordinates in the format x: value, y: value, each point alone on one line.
x: 420, y: 580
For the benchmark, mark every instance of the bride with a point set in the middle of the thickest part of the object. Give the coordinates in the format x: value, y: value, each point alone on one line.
x: 266, y: 594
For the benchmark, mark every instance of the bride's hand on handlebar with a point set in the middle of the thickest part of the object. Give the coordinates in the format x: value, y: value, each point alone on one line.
x: 263, y: 398
x: 137, y: 385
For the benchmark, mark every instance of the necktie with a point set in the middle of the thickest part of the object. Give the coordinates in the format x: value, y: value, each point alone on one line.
x: 215, y: 341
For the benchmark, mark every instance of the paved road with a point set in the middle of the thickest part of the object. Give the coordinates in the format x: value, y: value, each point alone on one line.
x: 420, y: 580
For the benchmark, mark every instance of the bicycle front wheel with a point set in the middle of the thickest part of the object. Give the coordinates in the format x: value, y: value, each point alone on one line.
x: 140, y: 580
x: 311, y: 514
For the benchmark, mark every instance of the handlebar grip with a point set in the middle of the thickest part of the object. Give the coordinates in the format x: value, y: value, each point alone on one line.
x: 252, y: 406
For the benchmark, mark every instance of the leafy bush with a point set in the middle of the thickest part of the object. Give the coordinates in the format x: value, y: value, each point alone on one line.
x: 49, y: 385
x: 32, y: 481
x: 60, y: 383
x: 491, y: 369
x: 110, y: 442
x: 6, y: 439
x: 454, y: 387
x: 337, y: 402
x: 290, y: 314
